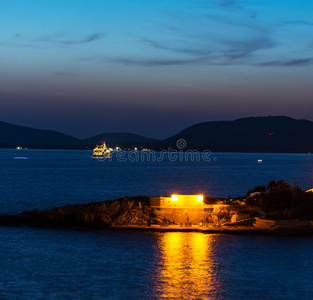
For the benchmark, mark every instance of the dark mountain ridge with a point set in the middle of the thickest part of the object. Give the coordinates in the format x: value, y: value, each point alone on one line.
x: 15, y: 135
x: 12, y: 135
x: 118, y: 138
x: 254, y: 134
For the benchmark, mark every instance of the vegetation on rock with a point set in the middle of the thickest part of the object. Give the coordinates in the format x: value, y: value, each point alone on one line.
x: 280, y: 196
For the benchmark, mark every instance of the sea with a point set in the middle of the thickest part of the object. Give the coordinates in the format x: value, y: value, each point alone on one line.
x: 41, y: 263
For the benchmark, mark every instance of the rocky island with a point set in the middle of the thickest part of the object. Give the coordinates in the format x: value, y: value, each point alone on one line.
x: 278, y: 209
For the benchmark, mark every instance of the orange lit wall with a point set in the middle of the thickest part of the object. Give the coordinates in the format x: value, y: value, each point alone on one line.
x: 178, y: 201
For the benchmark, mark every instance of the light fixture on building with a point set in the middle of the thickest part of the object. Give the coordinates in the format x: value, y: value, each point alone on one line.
x: 174, y: 197
x: 200, y: 198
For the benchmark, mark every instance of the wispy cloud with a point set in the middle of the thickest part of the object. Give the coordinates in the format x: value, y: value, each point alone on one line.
x: 227, y: 3
x: 288, y: 63
x: 19, y: 41
x: 207, y: 60
x: 206, y: 38
x: 210, y: 46
x: 61, y: 41
x: 157, y: 61
x: 184, y: 50
x: 228, y: 49
x: 244, y: 48
x: 297, y: 22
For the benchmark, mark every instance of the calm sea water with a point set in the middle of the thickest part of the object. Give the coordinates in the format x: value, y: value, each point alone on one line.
x: 51, y: 178
x: 67, y: 264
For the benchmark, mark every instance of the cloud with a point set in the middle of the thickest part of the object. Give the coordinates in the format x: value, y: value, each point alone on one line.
x: 298, y: 22
x: 218, y: 47
x: 184, y: 50
x: 20, y: 41
x: 288, y: 63
x: 228, y: 49
x: 205, y: 50
x: 208, y: 39
x: 227, y: 3
x: 209, y: 61
x: 243, y: 48
x: 157, y: 61
x: 87, y: 39
x: 221, y: 39
x: 59, y: 40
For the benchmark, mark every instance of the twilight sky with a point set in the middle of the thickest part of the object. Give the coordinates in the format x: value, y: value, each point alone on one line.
x: 153, y: 67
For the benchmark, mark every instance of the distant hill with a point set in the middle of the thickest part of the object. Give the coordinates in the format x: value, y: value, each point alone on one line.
x: 258, y: 134
x: 14, y: 135
x: 120, y: 138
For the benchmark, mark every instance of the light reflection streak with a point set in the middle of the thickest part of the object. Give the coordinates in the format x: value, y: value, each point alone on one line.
x: 187, y: 266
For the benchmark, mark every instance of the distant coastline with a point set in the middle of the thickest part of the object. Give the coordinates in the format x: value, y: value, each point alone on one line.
x: 247, y: 135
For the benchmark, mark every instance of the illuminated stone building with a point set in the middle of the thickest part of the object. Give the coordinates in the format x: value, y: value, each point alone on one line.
x: 185, y: 208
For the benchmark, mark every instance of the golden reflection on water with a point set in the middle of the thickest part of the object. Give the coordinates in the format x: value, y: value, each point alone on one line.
x: 187, y: 266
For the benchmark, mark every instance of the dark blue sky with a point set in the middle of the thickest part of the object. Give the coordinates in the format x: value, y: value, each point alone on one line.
x: 153, y: 67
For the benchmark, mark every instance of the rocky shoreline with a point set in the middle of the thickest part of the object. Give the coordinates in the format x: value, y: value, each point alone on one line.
x: 136, y: 214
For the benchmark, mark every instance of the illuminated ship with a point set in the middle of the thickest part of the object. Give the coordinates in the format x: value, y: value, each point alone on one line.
x: 101, y: 151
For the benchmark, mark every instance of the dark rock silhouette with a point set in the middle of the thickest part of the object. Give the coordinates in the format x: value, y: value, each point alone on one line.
x: 124, y: 211
x: 136, y: 213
